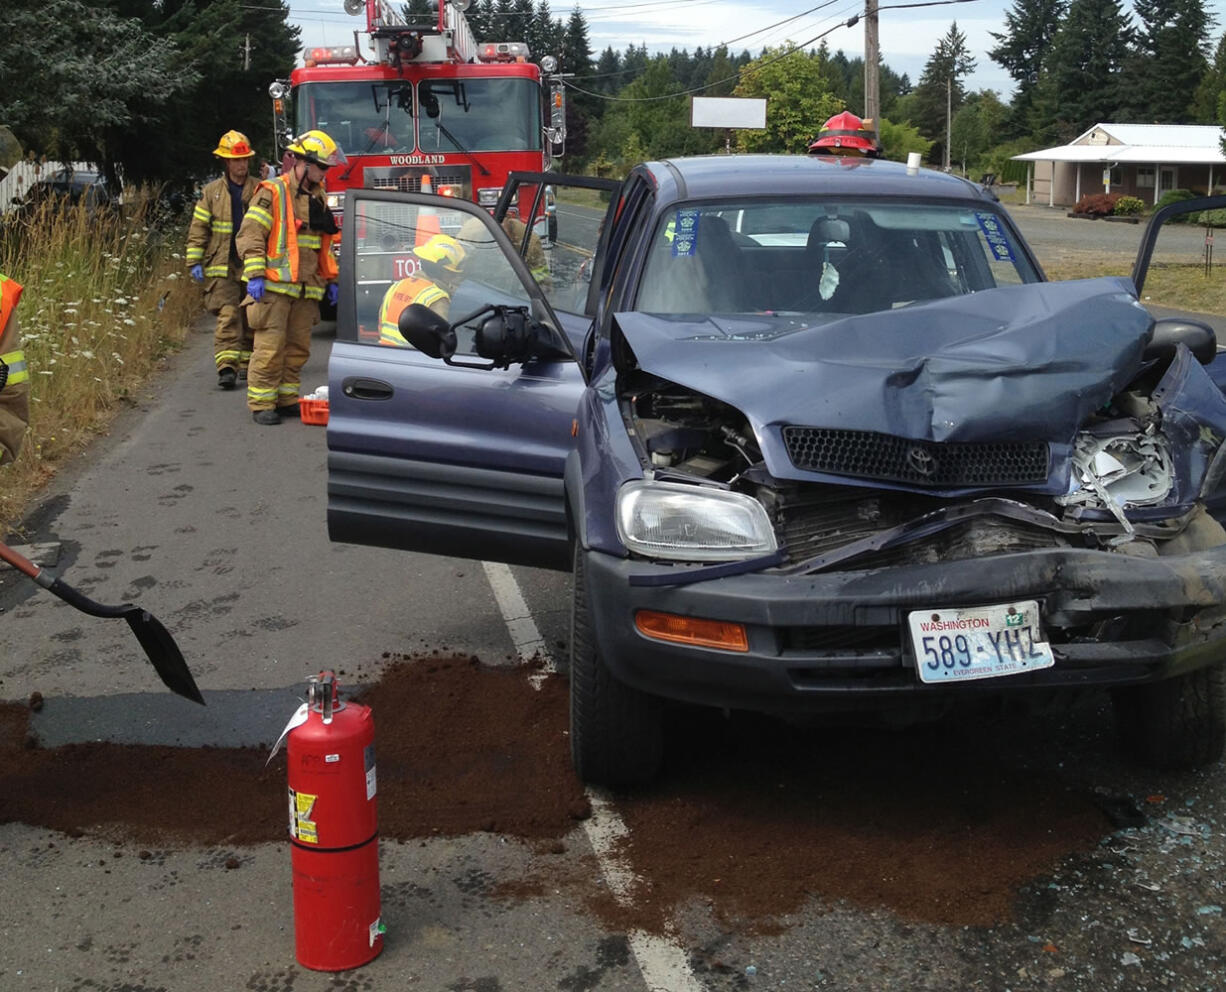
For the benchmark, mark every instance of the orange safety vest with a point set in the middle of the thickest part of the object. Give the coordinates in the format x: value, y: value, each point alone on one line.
x: 414, y: 289
x: 10, y: 293
x: 281, y: 258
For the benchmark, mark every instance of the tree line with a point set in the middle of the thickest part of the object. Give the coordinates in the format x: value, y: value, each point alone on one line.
x: 145, y: 87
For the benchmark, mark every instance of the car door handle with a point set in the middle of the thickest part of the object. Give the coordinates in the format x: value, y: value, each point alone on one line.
x: 366, y: 389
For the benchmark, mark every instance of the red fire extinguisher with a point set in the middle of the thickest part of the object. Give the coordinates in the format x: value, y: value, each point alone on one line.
x: 333, y: 831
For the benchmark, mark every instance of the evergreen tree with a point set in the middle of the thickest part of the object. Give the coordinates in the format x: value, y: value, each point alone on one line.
x: 1169, y: 62
x: 142, y: 87
x: 481, y: 18
x: 575, y: 58
x: 722, y: 77
x: 1212, y: 85
x: 608, y: 72
x: 1030, y: 27
x: 519, y: 24
x: 940, y: 90
x: 1082, y: 79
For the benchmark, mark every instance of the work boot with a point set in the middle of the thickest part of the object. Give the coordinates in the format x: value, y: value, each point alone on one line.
x: 226, y: 378
x: 289, y: 410
x: 242, y: 374
x: 266, y: 417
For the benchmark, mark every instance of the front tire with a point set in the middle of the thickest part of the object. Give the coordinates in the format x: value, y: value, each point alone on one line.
x: 616, y: 732
x: 1176, y: 724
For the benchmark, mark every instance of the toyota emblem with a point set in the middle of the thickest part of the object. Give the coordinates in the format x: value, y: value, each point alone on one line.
x: 920, y: 461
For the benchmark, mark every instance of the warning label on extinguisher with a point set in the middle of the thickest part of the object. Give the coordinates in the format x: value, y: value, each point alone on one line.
x: 368, y: 759
x: 301, y: 812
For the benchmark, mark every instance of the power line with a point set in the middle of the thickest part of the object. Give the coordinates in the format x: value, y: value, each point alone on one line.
x: 850, y: 22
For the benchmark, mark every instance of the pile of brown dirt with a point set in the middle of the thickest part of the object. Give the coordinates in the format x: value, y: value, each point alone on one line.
x: 752, y: 816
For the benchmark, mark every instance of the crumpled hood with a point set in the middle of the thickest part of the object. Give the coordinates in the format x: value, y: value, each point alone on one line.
x: 1015, y: 363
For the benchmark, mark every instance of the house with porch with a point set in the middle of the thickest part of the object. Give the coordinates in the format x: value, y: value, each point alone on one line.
x: 1141, y: 160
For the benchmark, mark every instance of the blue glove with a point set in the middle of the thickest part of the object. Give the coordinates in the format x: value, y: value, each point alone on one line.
x: 333, y: 294
x: 198, y: 273
x: 255, y: 287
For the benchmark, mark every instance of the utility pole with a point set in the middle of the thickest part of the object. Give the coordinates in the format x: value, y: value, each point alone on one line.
x: 949, y: 116
x: 872, y: 93
x: 247, y: 52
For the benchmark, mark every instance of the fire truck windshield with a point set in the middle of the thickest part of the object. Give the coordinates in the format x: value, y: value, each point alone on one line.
x: 464, y: 115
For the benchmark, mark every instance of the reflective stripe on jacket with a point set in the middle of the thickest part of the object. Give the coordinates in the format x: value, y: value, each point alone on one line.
x: 272, y: 242
x: 211, y: 233
x: 415, y: 289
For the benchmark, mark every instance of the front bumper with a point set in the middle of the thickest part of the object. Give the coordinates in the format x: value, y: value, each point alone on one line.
x: 819, y: 641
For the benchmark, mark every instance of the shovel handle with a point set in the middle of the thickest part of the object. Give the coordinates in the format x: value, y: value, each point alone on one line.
x: 22, y: 564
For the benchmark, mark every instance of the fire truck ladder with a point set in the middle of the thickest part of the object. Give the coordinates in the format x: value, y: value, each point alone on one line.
x: 396, y: 41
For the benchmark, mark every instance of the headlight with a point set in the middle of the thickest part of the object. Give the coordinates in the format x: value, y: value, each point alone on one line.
x: 692, y: 523
x: 488, y: 197
x: 336, y: 201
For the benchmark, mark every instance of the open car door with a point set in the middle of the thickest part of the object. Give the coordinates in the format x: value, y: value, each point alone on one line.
x: 463, y: 457
x: 571, y: 213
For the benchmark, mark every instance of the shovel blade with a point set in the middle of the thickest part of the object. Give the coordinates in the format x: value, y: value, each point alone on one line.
x: 164, y: 653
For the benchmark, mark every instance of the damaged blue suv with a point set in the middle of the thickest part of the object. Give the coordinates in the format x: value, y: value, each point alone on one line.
x: 814, y: 435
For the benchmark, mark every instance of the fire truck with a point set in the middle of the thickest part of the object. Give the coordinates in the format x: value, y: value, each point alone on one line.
x: 425, y: 107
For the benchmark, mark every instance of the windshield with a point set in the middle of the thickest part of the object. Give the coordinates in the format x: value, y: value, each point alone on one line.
x: 836, y: 257
x: 457, y: 115
x: 363, y: 118
x: 479, y: 115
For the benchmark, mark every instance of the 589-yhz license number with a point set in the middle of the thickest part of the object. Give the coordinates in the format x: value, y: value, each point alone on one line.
x: 1014, y: 646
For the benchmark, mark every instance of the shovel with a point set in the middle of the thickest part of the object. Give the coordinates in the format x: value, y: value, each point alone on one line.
x: 161, y: 648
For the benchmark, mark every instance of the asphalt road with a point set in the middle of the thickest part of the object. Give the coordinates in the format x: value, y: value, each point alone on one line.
x: 216, y: 526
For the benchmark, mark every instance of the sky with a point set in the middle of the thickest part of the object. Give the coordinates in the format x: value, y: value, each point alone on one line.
x: 907, y: 35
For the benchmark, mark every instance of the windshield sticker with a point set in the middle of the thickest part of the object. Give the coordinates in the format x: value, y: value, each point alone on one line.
x: 998, y: 243
x: 684, y: 233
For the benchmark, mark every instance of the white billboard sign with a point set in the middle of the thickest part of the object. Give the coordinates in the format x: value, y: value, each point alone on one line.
x: 728, y: 111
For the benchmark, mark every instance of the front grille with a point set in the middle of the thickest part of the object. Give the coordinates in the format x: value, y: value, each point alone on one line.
x: 813, y: 520
x: 870, y: 455
x: 408, y: 180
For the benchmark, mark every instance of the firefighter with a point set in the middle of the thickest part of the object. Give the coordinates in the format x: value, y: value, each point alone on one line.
x: 285, y: 243
x: 14, y: 376
x: 473, y: 232
x: 213, y: 258
x: 847, y: 134
x: 442, y: 262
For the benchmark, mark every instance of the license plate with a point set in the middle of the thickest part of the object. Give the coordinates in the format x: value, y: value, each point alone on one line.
x: 981, y: 642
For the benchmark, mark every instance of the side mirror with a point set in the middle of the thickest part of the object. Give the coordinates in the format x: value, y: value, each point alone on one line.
x: 1170, y: 332
x: 504, y: 336
x: 427, y: 331
x: 510, y: 335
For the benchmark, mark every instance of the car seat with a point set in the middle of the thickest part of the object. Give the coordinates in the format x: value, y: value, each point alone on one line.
x: 704, y: 281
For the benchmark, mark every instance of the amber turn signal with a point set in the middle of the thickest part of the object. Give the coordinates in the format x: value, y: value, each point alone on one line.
x: 691, y: 630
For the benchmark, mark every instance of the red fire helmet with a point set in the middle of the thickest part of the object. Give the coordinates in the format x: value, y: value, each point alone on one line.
x: 845, y: 134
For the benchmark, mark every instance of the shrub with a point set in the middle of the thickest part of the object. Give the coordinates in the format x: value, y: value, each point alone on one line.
x: 1177, y: 196
x: 1128, y: 206
x: 1097, y: 204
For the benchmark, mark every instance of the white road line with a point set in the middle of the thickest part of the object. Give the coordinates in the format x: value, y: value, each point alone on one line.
x: 518, y: 618
x: 662, y: 962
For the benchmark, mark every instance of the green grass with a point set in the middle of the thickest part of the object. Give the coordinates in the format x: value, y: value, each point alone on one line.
x: 104, y: 300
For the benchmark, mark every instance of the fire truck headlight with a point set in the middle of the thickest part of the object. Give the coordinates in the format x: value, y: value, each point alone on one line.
x: 488, y: 197
x: 336, y: 201
x: 278, y: 90
x: 548, y: 63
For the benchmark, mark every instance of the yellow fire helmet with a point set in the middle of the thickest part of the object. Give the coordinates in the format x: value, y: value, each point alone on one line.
x: 443, y: 250
x: 317, y: 147
x: 234, y: 144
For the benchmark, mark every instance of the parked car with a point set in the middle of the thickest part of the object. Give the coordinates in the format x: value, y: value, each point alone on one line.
x: 880, y: 466
x: 69, y: 186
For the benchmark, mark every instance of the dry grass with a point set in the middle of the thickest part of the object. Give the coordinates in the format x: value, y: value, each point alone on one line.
x: 105, y: 299
x: 1183, y: 286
